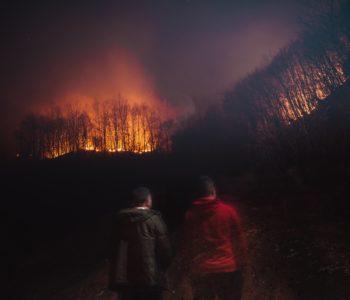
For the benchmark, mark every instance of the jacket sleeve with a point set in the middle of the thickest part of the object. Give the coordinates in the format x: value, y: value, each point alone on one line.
x: 163, y: 246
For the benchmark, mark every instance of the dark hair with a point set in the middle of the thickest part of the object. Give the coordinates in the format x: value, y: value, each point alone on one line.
x: 139, y: 195
x: 204, y: 186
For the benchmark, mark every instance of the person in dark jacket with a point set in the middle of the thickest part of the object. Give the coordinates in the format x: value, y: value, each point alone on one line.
x: 141, y: 250
x: 215, y: 248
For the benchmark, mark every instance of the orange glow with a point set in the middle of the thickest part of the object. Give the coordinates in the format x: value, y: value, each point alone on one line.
x: 109, y: 126
x: 321, y: 94
x: 302, y: 101
x: 112, y: 108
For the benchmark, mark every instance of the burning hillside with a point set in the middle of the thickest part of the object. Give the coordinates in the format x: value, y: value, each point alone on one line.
x: 114, y: 125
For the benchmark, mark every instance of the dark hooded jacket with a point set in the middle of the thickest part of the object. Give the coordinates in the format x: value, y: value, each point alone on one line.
x: 140, y: 250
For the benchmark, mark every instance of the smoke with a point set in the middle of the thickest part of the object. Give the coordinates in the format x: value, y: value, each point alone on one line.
x: 183, y: 53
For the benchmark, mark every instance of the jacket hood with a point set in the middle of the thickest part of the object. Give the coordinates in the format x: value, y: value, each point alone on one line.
x: 205, y: 202
x: 205, y: 206
x: 134, y: 215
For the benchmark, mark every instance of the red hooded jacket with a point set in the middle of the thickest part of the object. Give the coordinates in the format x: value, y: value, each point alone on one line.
x: 214, y: 238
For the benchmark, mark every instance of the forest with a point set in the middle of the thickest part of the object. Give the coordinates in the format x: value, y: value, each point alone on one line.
x: 276, y: 144
x: 271, y: 114
x: 110, y: 126
x: 279, y: 114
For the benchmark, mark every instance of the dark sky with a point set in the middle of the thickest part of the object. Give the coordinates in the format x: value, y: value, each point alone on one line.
x: 183, y: 52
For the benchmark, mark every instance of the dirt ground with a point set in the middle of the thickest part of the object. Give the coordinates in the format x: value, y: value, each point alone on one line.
x: 293, y: 255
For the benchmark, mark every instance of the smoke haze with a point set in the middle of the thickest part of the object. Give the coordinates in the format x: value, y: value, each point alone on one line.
x: 184, y: 53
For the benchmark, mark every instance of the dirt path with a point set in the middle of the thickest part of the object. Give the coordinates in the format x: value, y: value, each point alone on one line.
x: 290, y: 259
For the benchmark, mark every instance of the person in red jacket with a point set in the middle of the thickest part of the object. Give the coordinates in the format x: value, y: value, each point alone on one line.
x: 214, y: 245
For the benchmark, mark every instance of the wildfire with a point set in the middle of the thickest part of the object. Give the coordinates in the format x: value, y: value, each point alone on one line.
x: 302, y: 102
x: 110, y: 126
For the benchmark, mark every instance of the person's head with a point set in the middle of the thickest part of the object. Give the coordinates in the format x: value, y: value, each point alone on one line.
x: 141, y: 197
x: 205, y: 187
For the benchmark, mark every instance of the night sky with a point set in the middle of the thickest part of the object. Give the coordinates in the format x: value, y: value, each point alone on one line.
x: 183, y: 52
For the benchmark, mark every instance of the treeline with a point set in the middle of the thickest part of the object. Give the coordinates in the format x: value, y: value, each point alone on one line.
x: 107, y: 126
x: 266, y: 113
x: 300, y: 76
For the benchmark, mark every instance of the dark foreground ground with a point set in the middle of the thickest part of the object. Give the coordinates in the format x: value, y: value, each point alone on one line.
x: 57, y: 217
